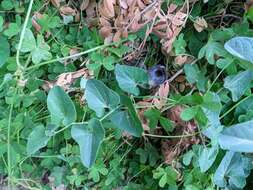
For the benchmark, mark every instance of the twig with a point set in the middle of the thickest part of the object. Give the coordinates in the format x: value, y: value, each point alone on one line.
x: 179, y: 72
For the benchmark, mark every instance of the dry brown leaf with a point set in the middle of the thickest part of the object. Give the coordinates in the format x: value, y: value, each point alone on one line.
x: 35, y: 18
x: 180, y: 79
x: 91, y: 10
x: 181, y: 60
x: 200, y: 24
x: 104, y: 22
x: 140, y: 4
x: 65, y: 80
x: 163, y: 93
x: 109, y: 7
x: 105, y: 31
x: 68, y: 11
x: 123, y: 4
x: 84, y: 5
x: 117, y: 36
x: 56, y: 3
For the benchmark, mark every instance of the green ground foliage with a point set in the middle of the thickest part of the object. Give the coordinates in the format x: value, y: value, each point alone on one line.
x: 126, y: 94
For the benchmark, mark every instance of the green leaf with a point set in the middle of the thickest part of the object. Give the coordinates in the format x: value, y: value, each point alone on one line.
x: 189, y: 113
x: 4, y: 50
x: 238, y: 84
x: 238, y: 138
x: 61, y: 107
x: 41, y: 52
x: 153, y: 116
x: 123, y: 121
x: 100, y: 98
x: 89, y: 137
x: 95, y: 171
x: 12, y: 30
x: 126, y: 101
x: 211, y: 50
x: 1, y: 23
x: 195, y: 75
x: 36, y: 140
x: 179, y: 44
x: 187, y: 158
x: 165, y: 176
x: 29, y: 42
x: 233, y: 171
x: 130, y: 78
x: 241, y: 47
x: 207, y: 158
x: 7, y: 5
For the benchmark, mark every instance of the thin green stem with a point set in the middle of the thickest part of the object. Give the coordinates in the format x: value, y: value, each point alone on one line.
x: 72, y: 56
x: 9, y: 146
x: 23, y: 34
x: 170, y: 137
x: 234, y: 106
x: 216, y: 78
x: 103, y: 118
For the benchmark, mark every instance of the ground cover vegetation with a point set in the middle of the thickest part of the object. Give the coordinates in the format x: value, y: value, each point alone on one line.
x: 126, y: 94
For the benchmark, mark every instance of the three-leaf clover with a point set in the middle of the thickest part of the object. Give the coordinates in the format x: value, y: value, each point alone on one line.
x: 39, y: 49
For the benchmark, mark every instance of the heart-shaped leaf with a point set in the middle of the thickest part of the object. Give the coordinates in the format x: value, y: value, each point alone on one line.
x: 130, y: 78
x: 36, y: 140
x: 207, y: 158
x: 241, y: 47
x: 238, y: 83
x: 122, y: 120
x: 61, y: 107
x: 238, y: 138
x: 89, y: 138
x: 100, y: 97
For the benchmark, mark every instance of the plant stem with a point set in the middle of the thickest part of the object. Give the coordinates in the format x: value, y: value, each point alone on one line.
x: 72, y: 56
x: 234, y: 106
x: 9, y: 147
x: 170, y: 137
x: 23, y: 35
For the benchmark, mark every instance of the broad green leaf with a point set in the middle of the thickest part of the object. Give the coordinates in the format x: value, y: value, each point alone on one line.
x: 123, y: 121
x: 130, y: 78
x: 238, y: 138
x: 211, y: 50
x: 36, y: 140
x: 61, y: 107
x: 100, y: 97
x: 238, y: 84
x: 89, y: 138
x: 189, y: 113
x: 126, y: 101
x: 233, y: 171
x: 29, y: 42
x: 195, y: 75
x: 241, y: 47
x: 4, y: 50
x: 207, y: 158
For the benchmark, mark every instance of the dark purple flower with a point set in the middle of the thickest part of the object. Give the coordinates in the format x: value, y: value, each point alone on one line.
x: 157, y: 75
